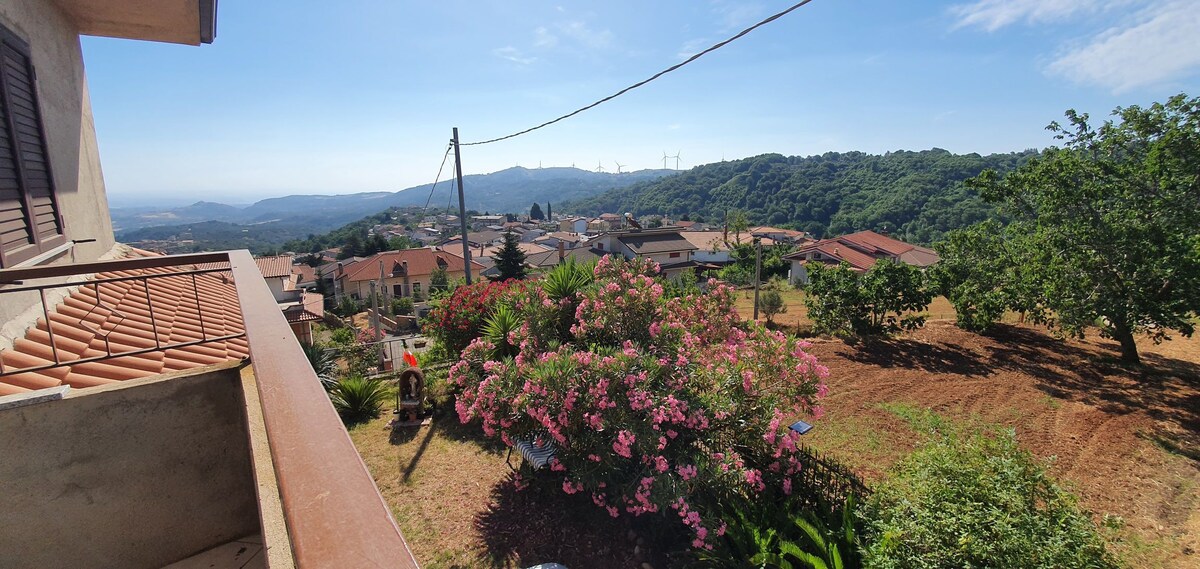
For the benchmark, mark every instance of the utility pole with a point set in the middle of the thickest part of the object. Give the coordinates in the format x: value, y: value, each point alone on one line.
x: 375, y: 324
x: 462, y: 207
x: 757, y: 272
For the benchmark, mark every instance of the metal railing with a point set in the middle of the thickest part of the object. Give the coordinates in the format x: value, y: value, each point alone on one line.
x: 334, y: 514
x: 94, y: 288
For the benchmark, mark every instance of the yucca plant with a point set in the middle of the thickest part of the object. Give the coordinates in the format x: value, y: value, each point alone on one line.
x: 497, y: 327
x: 567, y: 279
x: 323, y: 362
x: 358, y: 399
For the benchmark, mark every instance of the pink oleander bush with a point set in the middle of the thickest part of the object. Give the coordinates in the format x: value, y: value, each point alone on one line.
x: 658, y: 405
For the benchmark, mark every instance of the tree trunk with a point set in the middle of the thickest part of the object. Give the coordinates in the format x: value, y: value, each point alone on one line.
x: 1129, y: 350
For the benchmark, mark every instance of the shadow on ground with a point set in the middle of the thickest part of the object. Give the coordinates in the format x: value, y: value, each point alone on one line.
x: 540, y: 524
x: 1166, y: 389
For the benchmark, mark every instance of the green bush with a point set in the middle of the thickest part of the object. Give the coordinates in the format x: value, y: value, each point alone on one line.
x: 402, y: 306
x: 977, y: 500
x: 358, y: 399
x: 881, y: 301
x: 342, y: 337
x: 771, y: 304
x: 772, y: 536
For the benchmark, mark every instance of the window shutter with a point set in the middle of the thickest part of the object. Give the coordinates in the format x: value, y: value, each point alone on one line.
x: 30, y: 222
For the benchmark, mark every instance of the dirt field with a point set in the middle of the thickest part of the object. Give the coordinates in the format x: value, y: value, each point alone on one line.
x: 797, y: 314
x: 1127, y: 441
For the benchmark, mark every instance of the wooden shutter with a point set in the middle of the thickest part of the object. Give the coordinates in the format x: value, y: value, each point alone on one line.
x: 30, y: 222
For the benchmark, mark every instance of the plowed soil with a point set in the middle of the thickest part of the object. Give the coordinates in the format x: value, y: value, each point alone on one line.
x: 1125, y: 438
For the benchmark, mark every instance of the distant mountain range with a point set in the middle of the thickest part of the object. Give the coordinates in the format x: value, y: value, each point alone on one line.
x: 918, y: 196
x: 512, y: 190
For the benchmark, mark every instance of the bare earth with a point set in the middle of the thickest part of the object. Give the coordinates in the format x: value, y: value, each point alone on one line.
x: 1126, y: 440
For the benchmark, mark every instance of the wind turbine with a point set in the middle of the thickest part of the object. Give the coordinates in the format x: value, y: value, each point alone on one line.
x: 676, y: 157
x: 619, y: 166
x: 599, y: 167
x: 665, y: 159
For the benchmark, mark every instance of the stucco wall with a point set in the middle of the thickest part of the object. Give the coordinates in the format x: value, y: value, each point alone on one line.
x: 138, y: 474
x: 70, y: 133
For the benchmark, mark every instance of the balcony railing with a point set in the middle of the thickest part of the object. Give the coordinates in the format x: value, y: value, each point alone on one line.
x: 334, y: 514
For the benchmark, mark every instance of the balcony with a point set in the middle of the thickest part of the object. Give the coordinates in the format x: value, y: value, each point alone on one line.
x: 208, y: 436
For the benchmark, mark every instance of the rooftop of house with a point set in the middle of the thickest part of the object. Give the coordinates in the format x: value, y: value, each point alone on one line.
x: 421, y: 261
x: 551, y: 258
x: 862, y: 249
x: 304, y: 273
x: 706, y: 240
x: 649, y: 242
x: 527, y: 248
x: 278, y: 266
x: 567, y: 236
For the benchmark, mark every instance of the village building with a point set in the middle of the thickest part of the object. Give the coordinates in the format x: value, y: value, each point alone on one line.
x: 858, y: 250
x: 404, y: 273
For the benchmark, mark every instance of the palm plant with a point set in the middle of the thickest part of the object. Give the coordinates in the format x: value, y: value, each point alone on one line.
x: 323, y: 363
x: 358, y: 399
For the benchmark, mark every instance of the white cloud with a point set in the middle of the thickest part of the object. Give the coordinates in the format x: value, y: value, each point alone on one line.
x: 1162, y: 43
x: 737, y: 14
x: 543, y: 38
x: 691, y: 47
x: 992, y: 15
x: 513, y: 54
x: 584, y: 35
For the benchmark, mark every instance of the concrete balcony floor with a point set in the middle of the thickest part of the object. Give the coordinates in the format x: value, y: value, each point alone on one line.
x: 242, y: 553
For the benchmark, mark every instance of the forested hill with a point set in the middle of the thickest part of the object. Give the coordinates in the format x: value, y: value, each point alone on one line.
x: 917, y: 196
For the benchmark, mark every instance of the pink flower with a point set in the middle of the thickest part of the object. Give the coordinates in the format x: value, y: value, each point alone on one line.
x: 622, y: 445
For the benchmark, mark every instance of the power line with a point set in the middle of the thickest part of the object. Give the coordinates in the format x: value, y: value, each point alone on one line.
x: 435, y: 182
x: 643, y: 82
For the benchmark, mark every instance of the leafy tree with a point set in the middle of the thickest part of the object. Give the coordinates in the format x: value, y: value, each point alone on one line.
x: 510, y: 261
x: 548, y: 211
x: 880, y: 301
x: 535, y: 212
x: 738, y: 223
x: 1112, y: 220
x: 770, y: 302
x: 439, y: 281
x: 402, y: 242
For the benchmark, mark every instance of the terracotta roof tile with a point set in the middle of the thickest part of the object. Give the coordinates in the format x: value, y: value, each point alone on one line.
x: 274, y: 267
x: 99, y: 317
x: 420, y: 262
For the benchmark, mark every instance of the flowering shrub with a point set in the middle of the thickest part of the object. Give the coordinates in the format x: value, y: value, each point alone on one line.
x: 458, y: 319
x: 657, y: 404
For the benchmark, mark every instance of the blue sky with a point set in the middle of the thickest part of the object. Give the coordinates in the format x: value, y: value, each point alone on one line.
x: 325, y: 97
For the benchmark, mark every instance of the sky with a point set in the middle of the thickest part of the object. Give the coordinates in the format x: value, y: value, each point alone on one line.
x: 315, y: 97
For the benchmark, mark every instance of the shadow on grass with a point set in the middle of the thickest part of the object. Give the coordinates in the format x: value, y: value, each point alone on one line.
x: 542, y: 524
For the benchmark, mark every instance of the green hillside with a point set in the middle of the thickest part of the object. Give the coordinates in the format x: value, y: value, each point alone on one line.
x: 916, y: 195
